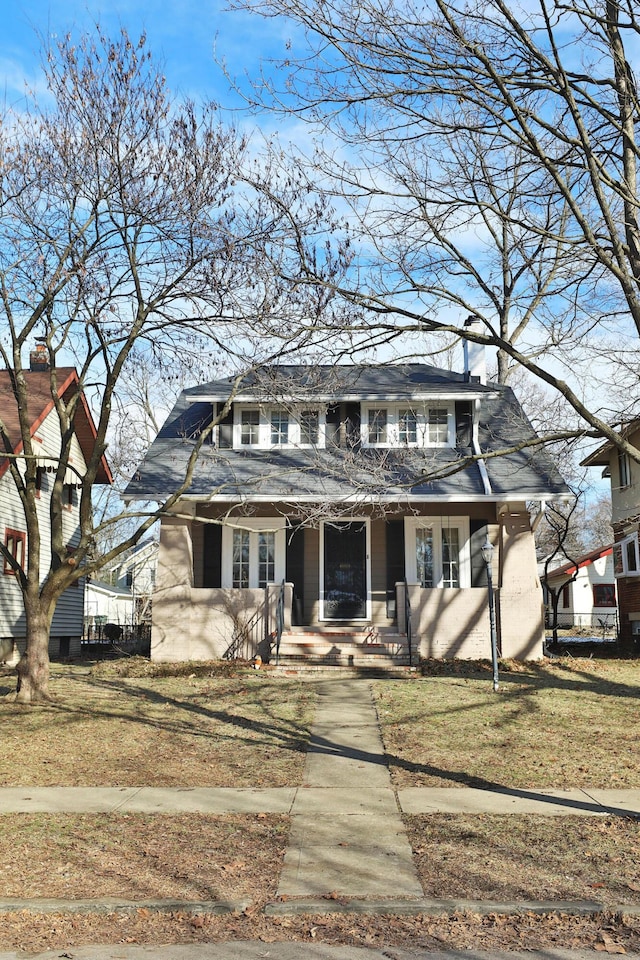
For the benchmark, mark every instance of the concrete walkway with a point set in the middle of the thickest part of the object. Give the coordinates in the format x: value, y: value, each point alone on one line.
x: 347, y: 835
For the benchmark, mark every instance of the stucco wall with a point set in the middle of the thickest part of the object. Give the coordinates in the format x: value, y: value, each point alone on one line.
x: 450, y: 623
x: 520, y: 608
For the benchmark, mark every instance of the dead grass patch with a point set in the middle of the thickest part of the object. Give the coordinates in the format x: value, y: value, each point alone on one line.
x: 516, y: 858
x: 137, y: 856
x: 559, y: 723
x: 610, y: 934
x: 245, y: 729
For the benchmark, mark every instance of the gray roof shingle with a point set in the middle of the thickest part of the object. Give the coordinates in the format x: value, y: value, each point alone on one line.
x: 288, y: 474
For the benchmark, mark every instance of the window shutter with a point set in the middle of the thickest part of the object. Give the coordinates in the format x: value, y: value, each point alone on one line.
x: 212, y: 560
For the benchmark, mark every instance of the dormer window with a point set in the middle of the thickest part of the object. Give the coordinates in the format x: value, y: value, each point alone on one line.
x: 407, y: 427
x: 279, y: 428
x: 438, y: 426
x: 402, y: 426
x: 250, y: 428
x: 309, y: 427
x: 377, y: 427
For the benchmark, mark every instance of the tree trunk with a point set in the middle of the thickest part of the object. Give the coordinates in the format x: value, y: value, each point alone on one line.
x: 33, y: 669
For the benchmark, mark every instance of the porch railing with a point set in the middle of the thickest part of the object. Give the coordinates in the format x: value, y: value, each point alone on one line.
x: 407, y: 621
x: 280, y: 603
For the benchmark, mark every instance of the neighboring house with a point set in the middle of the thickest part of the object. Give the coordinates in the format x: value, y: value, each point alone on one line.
x: 341, y: 483
x: 586, y: 591
x: 624, y: 475
x: 66, y: 628
x: 105, y: 603
x: 135, y: 571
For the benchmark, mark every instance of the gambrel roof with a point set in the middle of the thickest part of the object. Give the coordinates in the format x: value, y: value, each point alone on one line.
x: 292, y: 474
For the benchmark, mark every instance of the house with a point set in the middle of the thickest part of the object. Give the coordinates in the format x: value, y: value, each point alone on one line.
x: 586, y: 592
x: 105, y: 603
x: 356, y: 499
x: 135, y: 572
x: 66, y: 628
x: 624, y: 476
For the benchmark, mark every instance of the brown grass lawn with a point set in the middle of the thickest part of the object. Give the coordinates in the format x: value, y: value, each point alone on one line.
x: 198, y: 729
x: 559, y: 723
x: 553, y: 724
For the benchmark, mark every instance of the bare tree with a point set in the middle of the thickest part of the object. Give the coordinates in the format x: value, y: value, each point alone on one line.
x: 560, y: 543
x: 487, y: 158
x: 127, y: 234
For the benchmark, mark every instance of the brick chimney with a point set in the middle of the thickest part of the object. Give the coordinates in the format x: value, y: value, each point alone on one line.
x: 39, y: 359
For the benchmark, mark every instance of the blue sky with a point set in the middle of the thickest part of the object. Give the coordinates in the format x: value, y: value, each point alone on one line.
x: 185, y: 35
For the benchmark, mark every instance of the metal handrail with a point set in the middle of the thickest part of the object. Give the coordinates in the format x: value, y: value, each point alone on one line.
x: 279, y: 620
x: 407, y: 621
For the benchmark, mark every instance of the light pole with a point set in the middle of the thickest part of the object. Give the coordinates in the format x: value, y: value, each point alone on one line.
x: 487, y: 556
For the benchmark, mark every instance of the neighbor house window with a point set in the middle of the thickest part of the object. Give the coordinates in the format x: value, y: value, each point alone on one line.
x: 566, y: 596
x: 624, y: 469
x: 249, y: 427
x: 377, y: 426
x: 604, y: 595
x: 15, y: 542
x: 241, y: 551
x: 424, y: 556
x: 450, y: 557
x: 437, y: 552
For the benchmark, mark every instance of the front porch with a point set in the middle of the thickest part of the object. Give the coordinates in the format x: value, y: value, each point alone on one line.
x: 345, y: 592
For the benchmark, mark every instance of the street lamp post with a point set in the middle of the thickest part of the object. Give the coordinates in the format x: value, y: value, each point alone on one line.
x: 487, y: 556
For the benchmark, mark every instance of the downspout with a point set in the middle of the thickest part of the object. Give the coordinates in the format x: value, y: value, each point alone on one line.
x: 475, y: 441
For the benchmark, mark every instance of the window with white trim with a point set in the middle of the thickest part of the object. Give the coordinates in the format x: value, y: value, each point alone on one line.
x: 407, y: 426
x: 309, y: 424
x: 279, y: 427
x: 253, y: 557
x: 626, y: 557
x: 249, y: 428
x: 437, y: 552
x: 402, y: 426
x: 438, y: 426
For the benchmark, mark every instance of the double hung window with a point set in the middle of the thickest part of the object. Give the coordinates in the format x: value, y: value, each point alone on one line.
x: 253, y: 553
x: 250, y: 427
x: 437, y: 552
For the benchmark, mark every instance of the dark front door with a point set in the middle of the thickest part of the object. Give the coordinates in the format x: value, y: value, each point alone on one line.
x: 345, y: 571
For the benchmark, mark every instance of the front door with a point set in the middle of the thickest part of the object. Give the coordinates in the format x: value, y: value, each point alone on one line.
x: 345, y: 570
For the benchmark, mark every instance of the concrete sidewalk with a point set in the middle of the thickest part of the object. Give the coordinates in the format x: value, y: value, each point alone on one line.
x: 328, y: 800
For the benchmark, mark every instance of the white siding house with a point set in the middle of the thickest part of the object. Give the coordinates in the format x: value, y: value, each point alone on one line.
x: 66, y: 629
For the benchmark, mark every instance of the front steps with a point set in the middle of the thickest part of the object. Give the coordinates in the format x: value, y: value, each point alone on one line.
x: 369, y: 649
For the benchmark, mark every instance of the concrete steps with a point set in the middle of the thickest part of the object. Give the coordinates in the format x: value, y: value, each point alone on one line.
x: 370, y: 649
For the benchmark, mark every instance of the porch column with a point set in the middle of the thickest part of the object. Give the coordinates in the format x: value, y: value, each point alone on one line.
x: 171, y: 610
x: 519, y: 599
